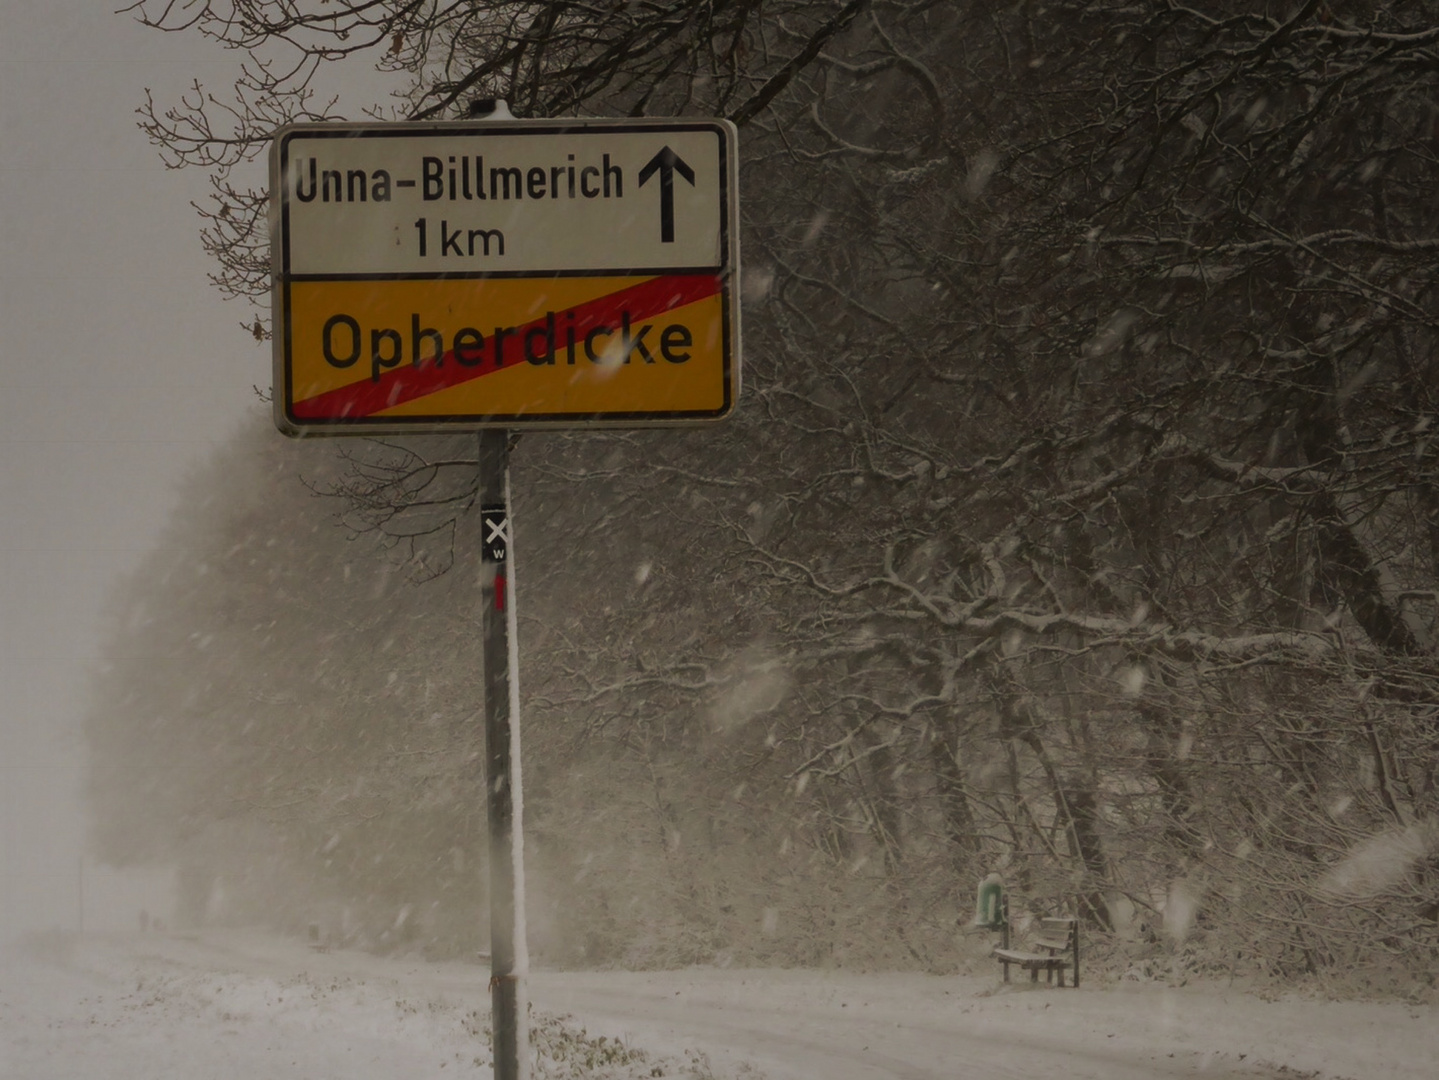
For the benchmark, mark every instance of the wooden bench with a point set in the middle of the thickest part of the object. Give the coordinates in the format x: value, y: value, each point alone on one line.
x: 1055, y: 948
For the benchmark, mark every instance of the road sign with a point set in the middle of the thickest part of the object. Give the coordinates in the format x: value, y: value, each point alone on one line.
x: 509, y: 274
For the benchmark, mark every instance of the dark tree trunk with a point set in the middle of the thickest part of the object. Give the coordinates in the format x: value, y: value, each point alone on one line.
x: 1346, y: 571
x: 959, y: 825
x: 1163, y: 760
x: 1075, y: 802
x: 884, y: 803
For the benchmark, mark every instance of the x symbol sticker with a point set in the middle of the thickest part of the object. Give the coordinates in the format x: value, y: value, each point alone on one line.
x: 497, y: 533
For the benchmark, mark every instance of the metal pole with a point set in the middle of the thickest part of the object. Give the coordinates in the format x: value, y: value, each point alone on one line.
x: 508, y: 954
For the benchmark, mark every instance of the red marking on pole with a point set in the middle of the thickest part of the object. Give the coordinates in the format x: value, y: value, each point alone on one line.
x: 499, y: 592
x: 403, y: 384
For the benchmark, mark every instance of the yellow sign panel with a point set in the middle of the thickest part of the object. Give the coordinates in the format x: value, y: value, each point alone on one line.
x: 503, y: 274
x: 563, y: 349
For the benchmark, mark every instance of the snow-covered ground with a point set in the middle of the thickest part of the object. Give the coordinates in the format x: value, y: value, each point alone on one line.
x: 247, y: 1006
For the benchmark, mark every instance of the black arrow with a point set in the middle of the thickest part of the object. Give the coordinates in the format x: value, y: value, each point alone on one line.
x: 667, y: 163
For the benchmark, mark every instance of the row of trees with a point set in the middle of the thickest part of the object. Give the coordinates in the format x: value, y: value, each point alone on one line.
x: 1080, y: 518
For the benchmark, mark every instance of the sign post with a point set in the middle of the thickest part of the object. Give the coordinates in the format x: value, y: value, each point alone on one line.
x: 497, y: 274
x: 504, y: 803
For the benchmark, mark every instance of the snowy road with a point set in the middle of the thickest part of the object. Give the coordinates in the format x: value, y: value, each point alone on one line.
x: 802, y: 1041
x: 802, y: 1025
x: 247, y: 1006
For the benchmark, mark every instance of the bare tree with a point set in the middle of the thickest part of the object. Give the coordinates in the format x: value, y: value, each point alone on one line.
x: 1084, y: 489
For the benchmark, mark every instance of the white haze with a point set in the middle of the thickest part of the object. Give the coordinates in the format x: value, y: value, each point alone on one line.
x: 122, y: 369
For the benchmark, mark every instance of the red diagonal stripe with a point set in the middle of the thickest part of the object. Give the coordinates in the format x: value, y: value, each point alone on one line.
x: 408, y: 382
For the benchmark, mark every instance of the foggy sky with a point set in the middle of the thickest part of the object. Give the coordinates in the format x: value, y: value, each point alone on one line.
x: 121, y: 368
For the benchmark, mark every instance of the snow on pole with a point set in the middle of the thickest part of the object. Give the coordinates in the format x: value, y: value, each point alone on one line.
x: 508, y: 953
x: 517, y: 787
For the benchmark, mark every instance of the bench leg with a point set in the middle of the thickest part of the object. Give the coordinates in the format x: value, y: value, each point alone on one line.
x: 1034, y: 974
x: 1061, y: 978
x: 1006, y: 970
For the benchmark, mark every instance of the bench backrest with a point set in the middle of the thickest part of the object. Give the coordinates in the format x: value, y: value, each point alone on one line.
x: 1059, y: 930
